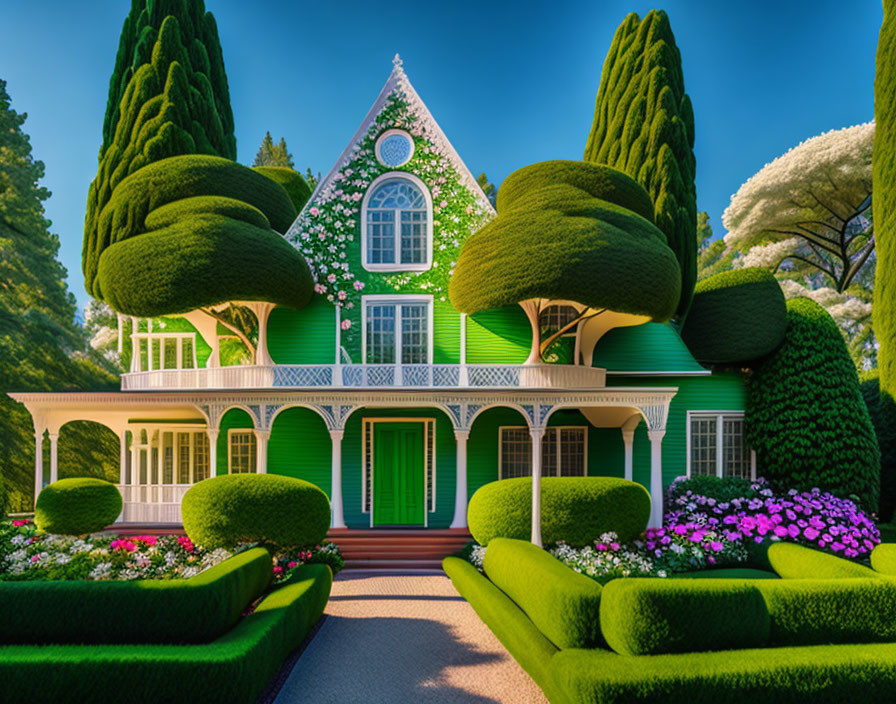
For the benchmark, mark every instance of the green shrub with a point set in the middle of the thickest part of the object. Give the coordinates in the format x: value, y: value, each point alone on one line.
x: 711, y: 486
x: 194, y: 610
x: 882, y: 409
x: 295, y: 186
x: 883, y: 558
x: 571, y: 231
x: 241, y: 508
x: 805, y: 416
x: 726, y: 573
x: 232, y: 669
x: 77, y: 506
x: 4, y: 499
x: 576, y: 510
x: 736, y: 316
x: 792, y: 561
x: 562, y: 603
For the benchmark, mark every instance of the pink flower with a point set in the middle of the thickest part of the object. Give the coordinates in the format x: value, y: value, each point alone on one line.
x: 292, y: 564
x: 443, y: 204
x: 346, y: 324
x: 20, y: 522
x: 314, y: 211
x: 185, y: 543
x: 278, y: 570
x: 123, y: 544
x: 469, y: 210
x: 331, y: 278
x: 35, y: 558
x: 341, y: 295
x: 359, y: 285
x: 320, y: 288
x: 148, y: 540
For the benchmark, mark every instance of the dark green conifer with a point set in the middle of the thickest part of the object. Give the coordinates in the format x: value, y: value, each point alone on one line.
x: 644, y: 126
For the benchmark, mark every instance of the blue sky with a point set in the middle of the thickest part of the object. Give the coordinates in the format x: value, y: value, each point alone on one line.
x: 510, y: 83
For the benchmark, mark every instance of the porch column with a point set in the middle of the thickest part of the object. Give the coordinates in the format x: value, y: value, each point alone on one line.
x: 54, y: 456
x: 261, y: 453
x: 463, y: 378
x: 38, y: 462
x: 338, y: 520
x: 212, y: 451
x: 537, y: 435
x: 656, y: 477
x: 123, y: 457
x: 628, y: 439
x: 460, y: 495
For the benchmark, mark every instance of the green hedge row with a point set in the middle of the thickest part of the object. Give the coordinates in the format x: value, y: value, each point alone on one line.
x: 793, y: 561
x: 883, y: 558
x: 563, y: 604
x: 575, y: 509
x: 194, y: 610
x: 235, y: 668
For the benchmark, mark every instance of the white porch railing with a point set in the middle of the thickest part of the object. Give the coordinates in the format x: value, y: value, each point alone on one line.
x: 368, y: 376
x: 147, y: 503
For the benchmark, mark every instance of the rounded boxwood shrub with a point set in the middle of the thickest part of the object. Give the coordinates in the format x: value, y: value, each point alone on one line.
x: 574, y: 509
x: 77, y: 506
x: 224, y: 511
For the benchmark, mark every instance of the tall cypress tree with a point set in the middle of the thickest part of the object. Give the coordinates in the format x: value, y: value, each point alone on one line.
x: 168, y: 96
x: 644, y: 126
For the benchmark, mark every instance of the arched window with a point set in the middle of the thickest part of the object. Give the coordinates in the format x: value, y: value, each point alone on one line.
x: 397, y: 223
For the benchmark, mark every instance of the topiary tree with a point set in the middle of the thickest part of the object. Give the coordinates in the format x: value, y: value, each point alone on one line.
x: 577, y: 510
x: 644, y: 126
x: 293, y: 183
x: 168, y: 96
x: 805, y: 417
x: 882, y: 410
x: 573, y: 232
x: 736, y: 316
x: 77, y: 506
x: 884, y: 173
x: 224, y: 511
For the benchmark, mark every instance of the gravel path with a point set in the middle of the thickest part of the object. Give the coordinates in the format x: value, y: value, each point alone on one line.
x: 397, y: 638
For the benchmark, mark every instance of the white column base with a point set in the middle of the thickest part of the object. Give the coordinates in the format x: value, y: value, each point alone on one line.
x: 537, y: 435
x: 656, y: 477
x: 338, y: 516
x: 54, y: 457
x: 460, y: 495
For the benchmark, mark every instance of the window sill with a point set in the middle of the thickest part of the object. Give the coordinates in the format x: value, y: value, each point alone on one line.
x: 426, y: 266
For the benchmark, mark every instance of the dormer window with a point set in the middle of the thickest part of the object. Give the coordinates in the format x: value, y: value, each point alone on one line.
x: 398, y: 225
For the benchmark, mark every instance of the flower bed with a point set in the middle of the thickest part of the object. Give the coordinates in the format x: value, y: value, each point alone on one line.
x: 28, y: 554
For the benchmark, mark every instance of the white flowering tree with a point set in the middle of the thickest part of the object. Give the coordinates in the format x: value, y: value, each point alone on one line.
x: 807, y: 217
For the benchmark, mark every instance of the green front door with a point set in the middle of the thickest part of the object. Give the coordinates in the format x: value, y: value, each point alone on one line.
x: 398, y: 482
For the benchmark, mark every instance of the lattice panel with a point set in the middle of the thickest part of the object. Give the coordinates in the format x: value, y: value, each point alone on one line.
x: 446, y: 375
x: 415, y: 375
x: 303, y: 376
x: 494, y: 376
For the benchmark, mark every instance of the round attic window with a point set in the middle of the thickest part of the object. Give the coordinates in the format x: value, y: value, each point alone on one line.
x: 394, y: 148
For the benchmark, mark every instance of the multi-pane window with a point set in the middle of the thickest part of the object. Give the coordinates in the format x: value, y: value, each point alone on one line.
x: 166, y: 457
x: 555, y: 318
x: 397, y: 226
x: 242, y: 453
x: 563, y: 452
x: 717, y: 446
x: 396, y: 332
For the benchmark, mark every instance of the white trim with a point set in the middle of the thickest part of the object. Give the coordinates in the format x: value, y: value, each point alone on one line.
x: 397, y: 266
x: 547, y: 429
x: 367, y: 452
x: 389, y: 133
x: 719, y: 416
x: 251, y: 433
x: 398, y: 299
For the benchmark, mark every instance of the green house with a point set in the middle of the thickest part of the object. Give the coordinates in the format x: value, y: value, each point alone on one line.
x: 380, y: 391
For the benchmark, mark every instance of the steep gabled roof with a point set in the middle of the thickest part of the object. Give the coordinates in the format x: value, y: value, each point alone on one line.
x: 398, y: 83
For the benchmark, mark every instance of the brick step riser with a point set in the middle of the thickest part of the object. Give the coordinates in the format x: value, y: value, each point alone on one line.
x: 393, y: 565
x: 399, y: 545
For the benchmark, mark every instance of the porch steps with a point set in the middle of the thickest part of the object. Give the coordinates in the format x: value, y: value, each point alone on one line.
x: 397, y: 548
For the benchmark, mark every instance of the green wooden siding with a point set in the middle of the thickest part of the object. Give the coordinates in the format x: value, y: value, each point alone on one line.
x: 300, y: 447
x: 306, y: 336
x: 445, y: 334
x: 234, y: 418
x: 500, y: 336
x: 649, y: 347
x: 352, y: 458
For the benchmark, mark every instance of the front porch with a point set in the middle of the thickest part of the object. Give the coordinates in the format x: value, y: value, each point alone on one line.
x: 170, y: 440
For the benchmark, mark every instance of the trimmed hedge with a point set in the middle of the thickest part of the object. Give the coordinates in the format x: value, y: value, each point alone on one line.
x: 295, y: 186
x: 77, y: 506
x: 883, y: 558
x: 563, y: 604
x: 657, y: 616
x: 235, y: 668
x: 573, y: 231
x: 194, y: 610
x: 574, y: 509
x: 736, y: 316
x: 805, y: 416
x: 882, y: 409
x: 243, y: 508
x: 792, y: 561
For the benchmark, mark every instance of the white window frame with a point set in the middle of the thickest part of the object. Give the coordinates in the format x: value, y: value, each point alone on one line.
x: 719, y: 417
x: 383, y: 137
x: 430, y: 463
x: 397, y: 266
x: 387, y: 299
x: 140, y: 450
x: 241, y: 431
x: 550, y: 428
x: 145, y: 342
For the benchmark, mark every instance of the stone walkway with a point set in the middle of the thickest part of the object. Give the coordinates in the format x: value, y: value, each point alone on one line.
x: 397, y: 638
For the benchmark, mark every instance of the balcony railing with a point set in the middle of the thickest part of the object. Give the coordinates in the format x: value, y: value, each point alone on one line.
x: 152, y: 503
x: 370, y: 376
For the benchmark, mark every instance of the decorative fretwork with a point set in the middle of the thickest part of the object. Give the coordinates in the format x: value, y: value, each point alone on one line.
x: 445, y: 375
x: 494, y: 376
x: 303, y: 376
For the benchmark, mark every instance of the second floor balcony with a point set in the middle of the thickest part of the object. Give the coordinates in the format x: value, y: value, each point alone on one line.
x: 367, y: 376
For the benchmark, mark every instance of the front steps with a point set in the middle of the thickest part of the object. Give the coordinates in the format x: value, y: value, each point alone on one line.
x: 397, y: 548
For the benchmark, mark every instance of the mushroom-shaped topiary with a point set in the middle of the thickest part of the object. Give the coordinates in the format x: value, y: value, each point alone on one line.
x: 292, y: 181
x: 77, y: 506
x: 575, y: 233
x: 736, y: 316
x: 224, y: 511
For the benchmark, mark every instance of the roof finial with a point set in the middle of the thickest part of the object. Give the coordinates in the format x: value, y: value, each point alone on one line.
x: 396, y: 62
